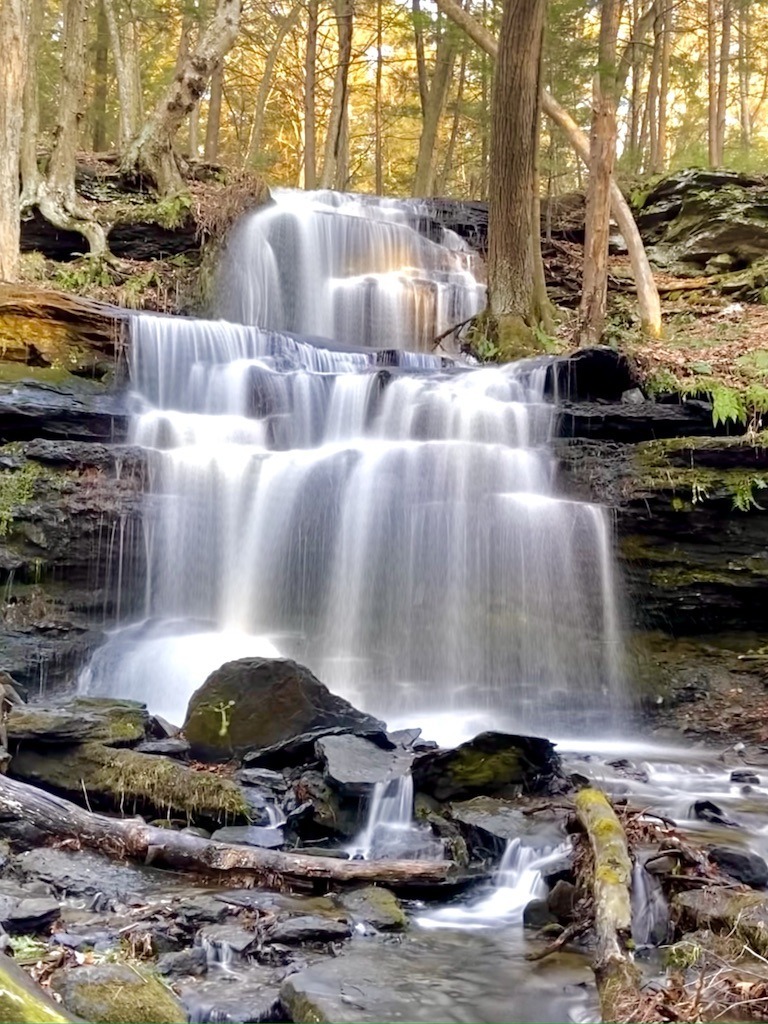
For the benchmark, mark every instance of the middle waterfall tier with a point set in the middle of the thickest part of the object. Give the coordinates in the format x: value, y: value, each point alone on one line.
x: 395, y: 528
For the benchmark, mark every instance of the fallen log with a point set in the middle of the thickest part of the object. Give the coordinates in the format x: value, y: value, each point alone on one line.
x: 25, y: 1002
x: 618, y: 979
x: 272, y: 869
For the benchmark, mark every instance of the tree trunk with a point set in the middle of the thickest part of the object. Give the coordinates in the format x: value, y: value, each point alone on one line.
x: 151, y: 155
x: 442, y: 181
x: 378, y: 156
x: 421, y: 63
x: 273, y: 869
x: 213, y: 124
x: 745, y: 116
x: 618, y: 980
x: 30, y: 169
x: 666, y: 55
x: 715, y: 158
x: 594, y: 297
x: 647, y: 292
x: 100, y: 67
x: 14, y: 29
x: 334, y: 139
x: 265, y: 86
x: 652, y: 106
x: 722, y: 84
x: 310, y: 78
x: 514, y: 130
x: 124, y: 37
x: 438, y: 91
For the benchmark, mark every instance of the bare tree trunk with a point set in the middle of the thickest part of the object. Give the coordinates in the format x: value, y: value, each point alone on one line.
x: 100, y: 64
x: 714, y: 155
x: 647, y: 292
x: 193, y: 144
x: 438, y: 91
x: 637, y: 64
x: 421, y: 63
x: 448, y: 162
x: 722, y: 84
x: 378, y: 158
x: 745, y: 116
x: 594, y: 295
x: 310, y: 118
x: 652, y: 106
x: 666, y: 55
x: 341, y: 174
x: 30, y: 170
x: 124, y: 37
x: 151, y: 154
x: 14, y: 29
x: 334, y: 139
x: 514, y: 130
x: 265, y: 86
x: 213, y: 124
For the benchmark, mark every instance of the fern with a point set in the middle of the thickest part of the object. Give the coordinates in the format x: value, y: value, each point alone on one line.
x: 744, y: 493
x: 728, y: 404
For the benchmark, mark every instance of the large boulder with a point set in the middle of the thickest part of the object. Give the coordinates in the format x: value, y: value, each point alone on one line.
x: 259, y: 702
x: 491, y: 763
x: 354, y: 765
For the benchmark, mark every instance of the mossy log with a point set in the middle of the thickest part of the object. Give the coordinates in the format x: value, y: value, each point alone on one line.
x: 41, y: 328
x: 24, y: 1002
x: 131, y: 838
x: 616, y: 975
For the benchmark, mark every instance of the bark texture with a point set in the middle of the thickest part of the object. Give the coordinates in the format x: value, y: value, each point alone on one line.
x: 310, y: 79
x: 150, y: 155
x: 514, y: 118
x: 438, y: 91
x: 14, y: 27
x: 335, y: 139
x: 124, y: 40
x: 602, y: 157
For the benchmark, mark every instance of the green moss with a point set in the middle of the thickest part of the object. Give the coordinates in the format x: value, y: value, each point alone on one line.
x: 473, y: 769
x: 119, y: 994
x: 17, y: 487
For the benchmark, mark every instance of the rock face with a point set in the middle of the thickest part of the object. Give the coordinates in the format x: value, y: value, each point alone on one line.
x: 113, y: 722
x: 492, y: 762
x: 116, y: 993
x: 258, y: 702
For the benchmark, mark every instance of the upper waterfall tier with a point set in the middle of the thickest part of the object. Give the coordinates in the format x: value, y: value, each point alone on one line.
x: 359, y: 269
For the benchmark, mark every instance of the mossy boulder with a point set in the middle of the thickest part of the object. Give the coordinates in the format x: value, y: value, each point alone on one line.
x: 24, y: 1002
x: 722, y: 910
x: 105, y: 720
x: 375, y: 906
x: 131, y: 782
x: 257, y: 702
x: 117, y: 994
x: 491, y: 763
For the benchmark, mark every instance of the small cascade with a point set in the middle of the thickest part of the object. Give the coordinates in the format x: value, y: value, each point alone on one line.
x: 360, y: 269
x: 390, y: 832
x: 650, y: 913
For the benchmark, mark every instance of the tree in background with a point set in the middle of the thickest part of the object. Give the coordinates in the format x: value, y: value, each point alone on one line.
x: 14, y: 28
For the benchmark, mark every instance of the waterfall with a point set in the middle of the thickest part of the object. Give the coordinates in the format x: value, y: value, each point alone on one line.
x: 387, y: 518
x: 390, y: 832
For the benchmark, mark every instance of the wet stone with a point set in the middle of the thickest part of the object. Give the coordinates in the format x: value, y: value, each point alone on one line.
x: 172, y: 746
x: 561, y: 900
x: 186, y: 963
x: 375, y: 906
x: 296, y: 930
x: 706, y: 810
x: 264, y: 778
x: 745, y: 776
x: 354, y: 765
x: 247, y: 997
x: 748, y: 868
x: 250, y: 835
x: 222, y: 941
x: 116, y: 993
x: 538, y: 915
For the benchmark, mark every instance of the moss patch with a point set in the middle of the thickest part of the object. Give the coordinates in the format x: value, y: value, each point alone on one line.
x: 117, y: 994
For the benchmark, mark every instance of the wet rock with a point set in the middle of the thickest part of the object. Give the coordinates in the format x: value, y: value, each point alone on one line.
x: 538, y: 915
x: 93, y: 938
x: 745, y: 867
x: 246, y: 997
x: 186, y: 963
x: 21, y: 916
x: 263, y: 778
x: 319, y: 804
x: 173, y: 746
x: 661, y: 865
x: 375, y: 906
x: 126, y: 779
x: 255, y: 703
x: 717, y: 909
x: 222, y: 941
x: 491, y: 763
x: 300, y: 750
x: 201, y: 909
x: 101, y: 719
x: 561, y: 900
x: 354, y: 765
x: 297, y: 930
x: 87, y: 875
x: 561, y: 870
x: 116, y: 993
x: 404, y: 738
x: 746, y: 776
x: 706, y: 810
x: 489, y: 823
x: 250, y: 835
x: 24, y: 1002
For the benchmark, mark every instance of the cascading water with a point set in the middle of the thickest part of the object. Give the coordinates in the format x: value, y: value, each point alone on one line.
x: 389, y: 519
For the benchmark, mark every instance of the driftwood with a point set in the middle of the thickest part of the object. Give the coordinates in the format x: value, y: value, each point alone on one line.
x: 616, y: 975
x: 132, y: 838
